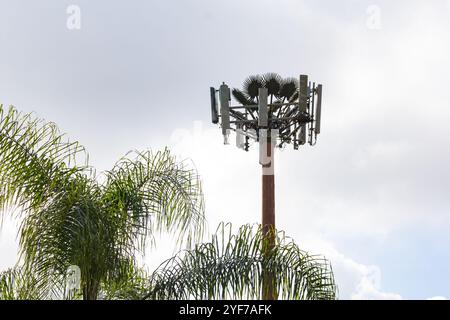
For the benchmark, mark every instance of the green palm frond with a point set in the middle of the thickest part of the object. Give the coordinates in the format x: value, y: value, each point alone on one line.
x: 100, y: 228
x: 233, y: 266
x: 35, y: 160
x: 251, y: 86
x: 156, y: 193
x: 69, y: 218
x: 18, y: 284
x: 15, y: 285
x: 72, y: 229
x: 132, y: 287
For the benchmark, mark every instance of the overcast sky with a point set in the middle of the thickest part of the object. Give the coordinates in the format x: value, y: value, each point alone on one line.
x: 372, y: 195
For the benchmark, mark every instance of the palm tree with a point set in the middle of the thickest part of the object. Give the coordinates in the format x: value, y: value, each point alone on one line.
x: 232, y: 266
x: 72, y: 216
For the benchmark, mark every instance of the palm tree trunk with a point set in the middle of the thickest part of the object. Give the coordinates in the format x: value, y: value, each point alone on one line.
x: 90, y: 290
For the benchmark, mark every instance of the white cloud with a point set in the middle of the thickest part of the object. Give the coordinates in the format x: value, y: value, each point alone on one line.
x: 355, y: 280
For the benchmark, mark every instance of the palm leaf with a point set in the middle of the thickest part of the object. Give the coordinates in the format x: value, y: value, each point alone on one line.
x: 35, y: 160
x: 15, y: 285
x: 73, y: 229
x: 19, y: 284
x: 241, y: 97
x: 272, y: 81
x: 232, y: 266
x: 251, y: 86
x: 156, y: 193
x: 288, y: 88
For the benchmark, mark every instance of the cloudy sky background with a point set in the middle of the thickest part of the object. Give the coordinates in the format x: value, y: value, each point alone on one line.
x: 372, y: 195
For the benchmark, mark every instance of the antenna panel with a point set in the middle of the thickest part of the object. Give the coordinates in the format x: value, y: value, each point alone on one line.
x: 262, y: 108
x: 303, y: 94
x: 263, y: 156
x: 224, y: 96
x: 318, y: 108
x: 214, y: 111
x: 302, y: 135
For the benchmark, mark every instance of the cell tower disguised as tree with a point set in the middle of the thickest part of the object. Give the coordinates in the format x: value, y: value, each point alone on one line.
x: 274, y: 112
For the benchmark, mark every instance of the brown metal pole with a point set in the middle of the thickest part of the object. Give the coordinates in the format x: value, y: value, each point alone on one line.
x: 268, y: 217
x: 268, y: 192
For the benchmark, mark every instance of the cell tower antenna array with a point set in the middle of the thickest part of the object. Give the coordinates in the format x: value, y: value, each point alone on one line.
x: 293, y: 119
x: 274, y: 112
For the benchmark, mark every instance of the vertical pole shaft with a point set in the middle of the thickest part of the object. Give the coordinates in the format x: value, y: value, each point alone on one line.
x: 266, y: 153
x: 268, y: 218
x: 268, y: 192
